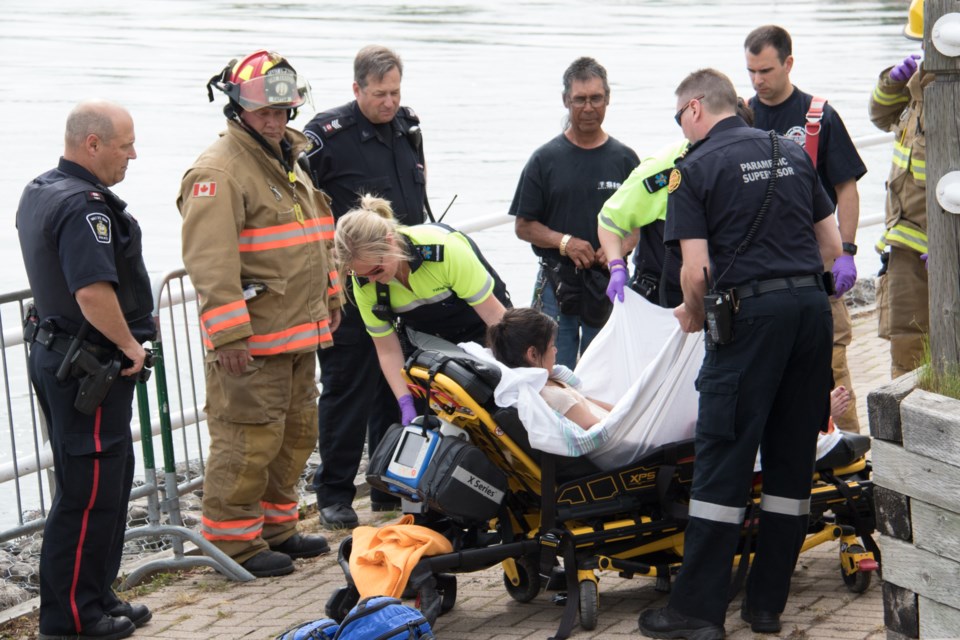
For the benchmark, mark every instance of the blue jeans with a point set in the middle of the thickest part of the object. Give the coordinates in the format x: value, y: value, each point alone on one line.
x: 573, y: 336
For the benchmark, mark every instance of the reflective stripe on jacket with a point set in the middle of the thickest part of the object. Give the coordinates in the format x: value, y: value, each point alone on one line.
x: 898, y: 107
x: 256, y: 245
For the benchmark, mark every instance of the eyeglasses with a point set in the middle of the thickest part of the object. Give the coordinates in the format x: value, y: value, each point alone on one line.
x: 684, y: 108
x: 596, y: 100
x: 377, y: 270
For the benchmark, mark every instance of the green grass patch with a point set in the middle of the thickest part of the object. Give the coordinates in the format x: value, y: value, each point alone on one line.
x: 942, y: 378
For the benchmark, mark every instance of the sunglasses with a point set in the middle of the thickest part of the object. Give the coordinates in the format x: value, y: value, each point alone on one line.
x: 377, y: 270
x: 684, y: 108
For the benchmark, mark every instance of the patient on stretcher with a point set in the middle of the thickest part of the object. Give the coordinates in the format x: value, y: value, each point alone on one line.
x: 524, y: 337
x: 648, y: 375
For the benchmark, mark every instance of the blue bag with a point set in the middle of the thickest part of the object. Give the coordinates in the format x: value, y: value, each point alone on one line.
x: 322, y: 629
x: 384, y: 618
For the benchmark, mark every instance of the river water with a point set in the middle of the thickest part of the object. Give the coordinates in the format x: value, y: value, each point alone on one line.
x: 485, y: 78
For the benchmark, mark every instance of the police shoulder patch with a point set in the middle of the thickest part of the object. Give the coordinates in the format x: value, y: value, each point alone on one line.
x: 674, y: 180
x: 335, y: 125
x: 100, y: 225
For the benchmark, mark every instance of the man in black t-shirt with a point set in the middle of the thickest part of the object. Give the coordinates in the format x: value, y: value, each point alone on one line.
x: 781, y: 107
x: 561, y: 190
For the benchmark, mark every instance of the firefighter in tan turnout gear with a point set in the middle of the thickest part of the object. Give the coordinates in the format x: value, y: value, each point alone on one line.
x: 256, y: 238
x: 902, y: 297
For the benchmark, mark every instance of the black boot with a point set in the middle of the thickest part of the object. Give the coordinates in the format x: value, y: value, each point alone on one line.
x: 138, y: 614
x: 298, y: 546
x: 760, y: 621
x: 267, y: 564
x: 106, y: 628
x: 667, y: 623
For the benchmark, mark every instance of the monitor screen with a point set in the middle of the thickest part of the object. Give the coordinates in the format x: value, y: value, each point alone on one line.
x: 409, y: 449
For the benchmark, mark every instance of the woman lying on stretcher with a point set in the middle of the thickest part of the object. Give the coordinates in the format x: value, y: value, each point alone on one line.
x: 524, y: 337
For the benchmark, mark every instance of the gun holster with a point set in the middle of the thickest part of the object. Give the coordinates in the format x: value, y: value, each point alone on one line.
x: 95, y: 385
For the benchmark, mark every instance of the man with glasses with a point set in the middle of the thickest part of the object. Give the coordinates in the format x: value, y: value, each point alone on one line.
x: 765, y: 382
x: 815, y: 125
x: 561, y: 190
x: 373, y: 146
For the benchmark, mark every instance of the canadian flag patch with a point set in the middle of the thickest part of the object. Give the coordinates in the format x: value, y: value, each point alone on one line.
x: 204, y: 189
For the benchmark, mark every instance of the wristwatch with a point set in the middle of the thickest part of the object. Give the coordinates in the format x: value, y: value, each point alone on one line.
x: 850, y: 248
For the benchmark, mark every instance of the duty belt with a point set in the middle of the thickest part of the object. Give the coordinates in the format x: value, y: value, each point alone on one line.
x: 777, y: 284
x: 60, y: 342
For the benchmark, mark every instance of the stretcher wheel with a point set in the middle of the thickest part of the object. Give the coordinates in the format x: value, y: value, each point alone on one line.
x: 341, y: 602
x: 589, y: 605
x: 529, y: 585
x: 447, y: 587
x: 858, y: 581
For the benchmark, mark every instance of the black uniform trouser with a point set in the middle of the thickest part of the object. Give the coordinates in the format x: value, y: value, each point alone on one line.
x: 356, y: 402
x: 769, y: 388
x: 93, y: 467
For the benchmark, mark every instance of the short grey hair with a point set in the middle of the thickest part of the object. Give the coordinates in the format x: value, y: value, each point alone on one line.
x: 90, y: 117
x: 583, y: 69
x: 719, y: 95
x: 377, y: 60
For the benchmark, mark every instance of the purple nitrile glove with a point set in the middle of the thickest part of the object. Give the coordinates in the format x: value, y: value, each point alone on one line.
x: 407, y: 411
x: 903, y: 71
x: 844, y: 274
x: 924, y: 256
x: 618, y: 278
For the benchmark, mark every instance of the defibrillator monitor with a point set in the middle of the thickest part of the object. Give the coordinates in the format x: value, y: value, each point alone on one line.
x: 412, y: 456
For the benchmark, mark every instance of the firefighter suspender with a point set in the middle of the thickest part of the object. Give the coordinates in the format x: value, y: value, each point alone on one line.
x: 814, y: 116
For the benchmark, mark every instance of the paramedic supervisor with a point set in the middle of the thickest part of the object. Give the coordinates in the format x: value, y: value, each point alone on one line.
x: 768, y: 384
x: 427, y: 275
x: 256, y: 236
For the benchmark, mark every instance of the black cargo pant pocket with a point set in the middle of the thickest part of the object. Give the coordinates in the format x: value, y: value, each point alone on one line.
x: 719, y: 390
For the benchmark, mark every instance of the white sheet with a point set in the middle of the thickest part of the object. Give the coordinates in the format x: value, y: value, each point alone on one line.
x: 641, y: 362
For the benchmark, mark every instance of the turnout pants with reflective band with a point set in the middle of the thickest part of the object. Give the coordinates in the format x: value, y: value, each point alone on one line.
x: 356, y: 403
x: 262, y: 427
x: 904, y: 309
x: 769, y: 388
x: 842, y: 336
x: 93, y: 468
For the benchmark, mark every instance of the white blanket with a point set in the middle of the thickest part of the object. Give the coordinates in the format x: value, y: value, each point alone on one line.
x: 641, y: 362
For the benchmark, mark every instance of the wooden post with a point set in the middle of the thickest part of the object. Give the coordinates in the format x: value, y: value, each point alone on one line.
x: 942, y: 122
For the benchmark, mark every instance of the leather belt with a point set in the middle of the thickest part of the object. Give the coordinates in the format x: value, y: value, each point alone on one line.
x: 60, y: 342
x: 777, y: 284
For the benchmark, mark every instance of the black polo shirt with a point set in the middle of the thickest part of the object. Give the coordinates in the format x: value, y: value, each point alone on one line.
x: 723, y: 181
x: 73, y: 231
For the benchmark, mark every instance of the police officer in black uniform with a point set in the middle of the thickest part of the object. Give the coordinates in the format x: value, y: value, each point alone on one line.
x: 369, y: 146
x: 755, y: 244
x: 93, y: 306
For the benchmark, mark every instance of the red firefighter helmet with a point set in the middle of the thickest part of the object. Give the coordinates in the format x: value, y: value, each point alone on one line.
x: 264, y: 79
